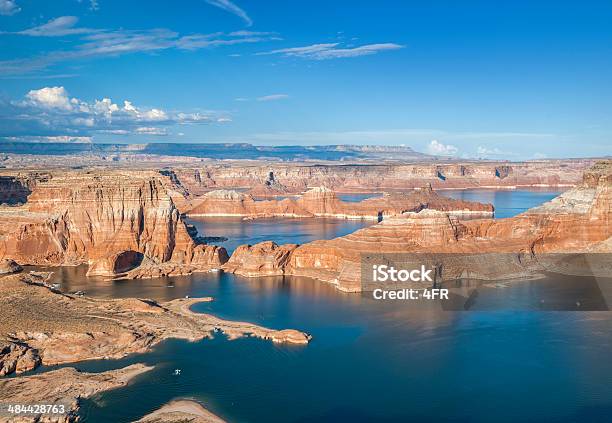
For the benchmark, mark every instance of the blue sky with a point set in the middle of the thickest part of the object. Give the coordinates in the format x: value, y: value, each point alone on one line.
x: 515, y: 80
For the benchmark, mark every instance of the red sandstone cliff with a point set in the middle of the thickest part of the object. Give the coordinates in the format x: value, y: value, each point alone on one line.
x: 114, y: 221
x: 265, y: 180
x: 576, y: 221
x: 323, y: 202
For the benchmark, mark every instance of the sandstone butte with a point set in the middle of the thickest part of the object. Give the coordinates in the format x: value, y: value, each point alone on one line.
x: 323, y: 202
x: 576, y: 221
x: 119, y: 222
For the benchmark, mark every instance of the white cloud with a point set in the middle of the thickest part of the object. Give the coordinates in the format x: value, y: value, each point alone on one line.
x: 244, y: 33
x: 198, y: 41
x: 94, y: 43
x: 436, y: 148
x: 230, y: 7
x: 8, y: 7
x: 59, y: 138
x: 50, y: 111
x: 151, y: 130
x: 273, y: 97
x: 58, y: 27
x: 51, y: 98
x: 333, y: 50
x: 492, y: 153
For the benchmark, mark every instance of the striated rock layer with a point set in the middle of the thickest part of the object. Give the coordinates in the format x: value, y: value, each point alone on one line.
x: 576, y: 221
x: 323, y: 202
x: 115, y: 221
x: 281, y: 178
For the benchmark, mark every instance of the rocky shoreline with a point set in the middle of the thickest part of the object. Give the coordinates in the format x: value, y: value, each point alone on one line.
x: 59, y: 391
x: 70, y: 328
x: 181, y: 411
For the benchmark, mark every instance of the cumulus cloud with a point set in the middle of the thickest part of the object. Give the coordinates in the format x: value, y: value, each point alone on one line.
x: 436, y: 148
x: 333, y: 51
x: 273, y: 97
x: 50, y: 98
x: 8, y: 7
x: 230, y: 7
x: 51, y: 112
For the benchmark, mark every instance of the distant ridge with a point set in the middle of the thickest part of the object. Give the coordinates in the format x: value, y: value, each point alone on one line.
x: 242, y: 151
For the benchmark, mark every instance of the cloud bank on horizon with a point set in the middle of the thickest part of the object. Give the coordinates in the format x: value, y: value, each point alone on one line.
x: 50, y: 114
x: 278, y: 73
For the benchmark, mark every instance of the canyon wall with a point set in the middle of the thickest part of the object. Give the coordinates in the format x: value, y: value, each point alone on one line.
x: 576, y: 221
x: 114, y: 221
x: 278, y: 178
x: 323, y: 202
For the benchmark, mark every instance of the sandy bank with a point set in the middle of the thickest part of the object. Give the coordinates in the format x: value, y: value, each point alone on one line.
x: 181, y: 411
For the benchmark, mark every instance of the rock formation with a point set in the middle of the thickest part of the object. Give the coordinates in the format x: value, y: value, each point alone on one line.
x: 263, y: 259
x: 576, y: 221
x: 69, y: 328
x: 295, y: 178
x: 181, y: 411
x: 323, y: 202
x: 9, y: 266
x: 62, y: 388
x: 115, y: 221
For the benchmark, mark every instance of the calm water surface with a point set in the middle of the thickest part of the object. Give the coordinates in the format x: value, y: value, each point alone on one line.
x: 507, y: 203
x: 281, y: 231
x: 510, y: 358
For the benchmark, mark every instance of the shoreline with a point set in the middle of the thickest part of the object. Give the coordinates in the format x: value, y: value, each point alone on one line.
x: 60, y: 390
x: 71, y: 328
x: 181, y: 410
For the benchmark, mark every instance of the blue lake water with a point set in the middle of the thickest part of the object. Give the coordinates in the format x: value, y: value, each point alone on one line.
x: 281, y: 231
x: 507, y: 203
x: 510, y: 358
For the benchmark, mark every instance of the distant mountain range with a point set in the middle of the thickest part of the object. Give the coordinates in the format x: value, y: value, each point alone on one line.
x: 222, y: 151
